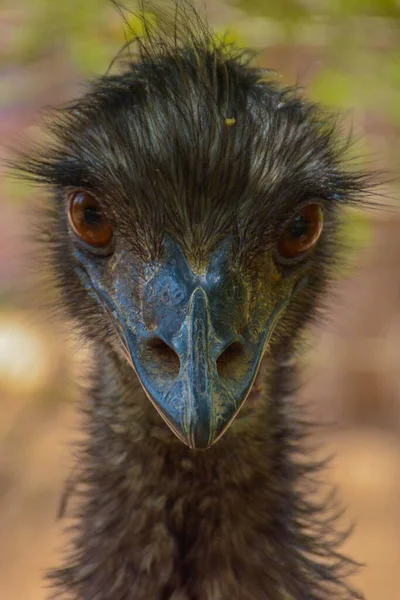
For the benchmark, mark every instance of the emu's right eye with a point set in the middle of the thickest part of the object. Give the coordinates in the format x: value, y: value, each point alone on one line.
x: 88, y: 221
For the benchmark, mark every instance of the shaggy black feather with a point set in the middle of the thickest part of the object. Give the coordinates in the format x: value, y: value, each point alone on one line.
x: 158, y: 521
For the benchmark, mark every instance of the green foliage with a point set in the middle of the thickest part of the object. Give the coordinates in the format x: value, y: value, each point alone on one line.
x: 391, y: 73
x: 284, y: 10
x: 332, y: 88
x: 88, y: 30
x: 355, y: 234
x: 230, y: 36
x: 16, y: 190
x: 381, y: 8
x: 295, y: 9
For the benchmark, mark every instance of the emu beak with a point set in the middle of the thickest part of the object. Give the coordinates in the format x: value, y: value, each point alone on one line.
x: 198, y: 345
x: 213, y: 381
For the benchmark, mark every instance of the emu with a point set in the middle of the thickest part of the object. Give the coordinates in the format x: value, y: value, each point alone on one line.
x: 192, y: 230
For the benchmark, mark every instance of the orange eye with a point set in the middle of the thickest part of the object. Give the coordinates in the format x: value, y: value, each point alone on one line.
x: 302, y: 233
x: 88, y: 221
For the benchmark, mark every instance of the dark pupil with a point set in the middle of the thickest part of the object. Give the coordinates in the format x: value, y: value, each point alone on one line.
x: 92, y: 215
x: 299, y: 227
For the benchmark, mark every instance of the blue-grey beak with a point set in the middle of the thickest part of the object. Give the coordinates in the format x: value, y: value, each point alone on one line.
x: 198, y: 349
x: 214, y: 376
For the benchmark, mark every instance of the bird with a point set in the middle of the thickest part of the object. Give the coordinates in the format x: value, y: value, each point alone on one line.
x: 192, y: 230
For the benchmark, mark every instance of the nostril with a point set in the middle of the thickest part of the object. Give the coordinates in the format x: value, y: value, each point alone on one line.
x: 163, y: 357
x: 231, y: 360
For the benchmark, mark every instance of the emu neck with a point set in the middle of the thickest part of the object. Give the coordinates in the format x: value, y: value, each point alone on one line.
x: 160, y: 521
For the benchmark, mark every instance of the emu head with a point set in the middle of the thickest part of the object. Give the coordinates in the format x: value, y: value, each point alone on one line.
x: 193, y: 222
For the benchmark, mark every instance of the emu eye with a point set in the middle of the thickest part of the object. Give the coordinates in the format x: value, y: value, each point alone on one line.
x: 87, y: 220
x: 301, y: 233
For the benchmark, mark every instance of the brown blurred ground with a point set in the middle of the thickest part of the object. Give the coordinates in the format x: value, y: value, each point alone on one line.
x: 352, y: 376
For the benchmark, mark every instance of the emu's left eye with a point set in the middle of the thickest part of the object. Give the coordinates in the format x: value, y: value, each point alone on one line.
x: 301, y: 233
x: 88, y: 221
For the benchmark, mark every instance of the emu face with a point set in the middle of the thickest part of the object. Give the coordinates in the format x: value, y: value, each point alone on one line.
x: 195, y: 337
x: 187, y: 225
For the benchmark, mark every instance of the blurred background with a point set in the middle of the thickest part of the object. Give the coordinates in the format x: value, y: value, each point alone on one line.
x: 347, y: 54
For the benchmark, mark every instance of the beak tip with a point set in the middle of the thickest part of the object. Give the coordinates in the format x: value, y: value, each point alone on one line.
x: 195, y: 446
x: 199, y: 434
